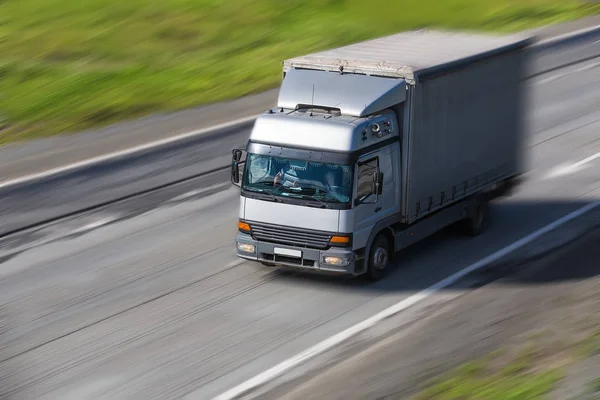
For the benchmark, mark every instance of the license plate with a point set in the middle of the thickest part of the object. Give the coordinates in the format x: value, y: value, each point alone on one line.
x: 288, y: 252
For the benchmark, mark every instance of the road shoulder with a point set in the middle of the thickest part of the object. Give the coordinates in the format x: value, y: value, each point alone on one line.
x: 22, y: 159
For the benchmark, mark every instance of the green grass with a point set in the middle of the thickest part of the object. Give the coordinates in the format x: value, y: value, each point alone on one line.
x: 477, y: 381
x: 594, y: 386
x: 66, y: 65
x: 590, y: 346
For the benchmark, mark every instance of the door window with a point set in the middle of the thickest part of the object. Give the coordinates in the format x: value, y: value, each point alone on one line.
x: 366, y: 169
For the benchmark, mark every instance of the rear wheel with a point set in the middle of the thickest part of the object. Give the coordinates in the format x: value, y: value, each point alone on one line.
x: 476, y: 224
x: 379, y: 257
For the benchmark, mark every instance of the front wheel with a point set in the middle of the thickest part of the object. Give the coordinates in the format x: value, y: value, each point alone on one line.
x: 379, y: 257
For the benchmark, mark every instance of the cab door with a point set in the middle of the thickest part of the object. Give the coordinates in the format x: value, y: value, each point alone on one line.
x: 369, y: 209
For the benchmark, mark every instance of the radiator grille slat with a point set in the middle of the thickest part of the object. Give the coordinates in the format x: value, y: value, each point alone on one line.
x: 290, y: 236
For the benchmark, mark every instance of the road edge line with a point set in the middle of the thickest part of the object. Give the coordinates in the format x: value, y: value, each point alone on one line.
x: 566, y: 37
x: 125, y: 152
x: 352, y: 331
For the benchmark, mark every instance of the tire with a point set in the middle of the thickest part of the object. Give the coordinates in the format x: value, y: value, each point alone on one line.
x: 379, y: 257
x: 475, y: 225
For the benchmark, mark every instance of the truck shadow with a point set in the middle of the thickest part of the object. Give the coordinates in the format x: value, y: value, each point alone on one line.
x: 448, y: 252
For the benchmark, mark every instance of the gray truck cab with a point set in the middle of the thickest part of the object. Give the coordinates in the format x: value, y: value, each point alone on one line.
x: 317, y: 177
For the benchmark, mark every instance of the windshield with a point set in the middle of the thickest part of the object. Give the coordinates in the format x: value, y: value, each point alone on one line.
x: 301, y: 179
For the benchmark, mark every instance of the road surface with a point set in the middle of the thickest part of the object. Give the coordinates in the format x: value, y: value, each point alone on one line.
x: 146, y: 300
x: 549, y: 304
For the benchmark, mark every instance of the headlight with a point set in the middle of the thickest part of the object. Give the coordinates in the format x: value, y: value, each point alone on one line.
x: 333, y: 260
x: 246, y: 248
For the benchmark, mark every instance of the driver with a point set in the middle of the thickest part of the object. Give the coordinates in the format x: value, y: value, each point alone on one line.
x: 284, y: 175
x: 329, y: 180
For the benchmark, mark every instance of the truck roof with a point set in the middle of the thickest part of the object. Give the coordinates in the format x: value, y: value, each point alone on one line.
x: 321, y: 131
x: 411, y: 54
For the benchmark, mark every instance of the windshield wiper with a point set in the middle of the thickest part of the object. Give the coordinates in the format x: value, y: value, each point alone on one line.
x: 321, y: 204
x: 325, y: 192
x: 317, y: 203
x: 268, y: 182
x: 264, y: 191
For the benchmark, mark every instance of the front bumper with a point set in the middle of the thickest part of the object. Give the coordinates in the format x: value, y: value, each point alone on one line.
x: 333, y: 260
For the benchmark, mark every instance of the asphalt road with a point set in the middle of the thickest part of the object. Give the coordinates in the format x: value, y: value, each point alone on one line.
x: 26, y: 204
x: 550, y: 303
x: 154, y: 304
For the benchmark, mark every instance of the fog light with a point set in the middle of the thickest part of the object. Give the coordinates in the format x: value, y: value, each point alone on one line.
x: 332, y: 260
x: 246, y: 248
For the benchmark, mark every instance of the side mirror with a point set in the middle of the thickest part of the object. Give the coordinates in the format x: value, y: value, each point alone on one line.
x: 377, y: 185
x: 236, y: 156
x: 235, y: 172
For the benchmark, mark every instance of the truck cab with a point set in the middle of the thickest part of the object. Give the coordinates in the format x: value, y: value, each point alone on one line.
x: 314, y: 184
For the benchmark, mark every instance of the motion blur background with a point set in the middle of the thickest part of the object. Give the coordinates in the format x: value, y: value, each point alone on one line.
x: 118, y: 279
x: 68, y: 65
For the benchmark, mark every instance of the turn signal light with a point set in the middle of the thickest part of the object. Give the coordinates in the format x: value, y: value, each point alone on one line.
x: 340, y: 240
x: 243, y: 227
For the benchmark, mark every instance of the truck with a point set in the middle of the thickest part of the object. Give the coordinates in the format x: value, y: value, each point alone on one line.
x: 377, y: 145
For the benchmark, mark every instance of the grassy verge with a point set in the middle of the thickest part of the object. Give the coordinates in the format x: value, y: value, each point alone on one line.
x: 520, y: 379
x: 531, y: 371
x: 67, y: 65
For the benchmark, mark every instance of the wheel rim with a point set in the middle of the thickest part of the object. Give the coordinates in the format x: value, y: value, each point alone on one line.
x: 380, y: 258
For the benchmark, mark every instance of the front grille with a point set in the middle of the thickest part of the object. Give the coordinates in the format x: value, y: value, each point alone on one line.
x: 290, y: 236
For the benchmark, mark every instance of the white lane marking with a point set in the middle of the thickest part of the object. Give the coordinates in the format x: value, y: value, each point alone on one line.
x: 337, y: 339
x: 200, y: 191
x: 93, y: 225
x: 120, y: 153
x: 53, y: 233
x: 564, y: 36
x: 566, y: 169
x: 563, y: 170
x: 563, y: 75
